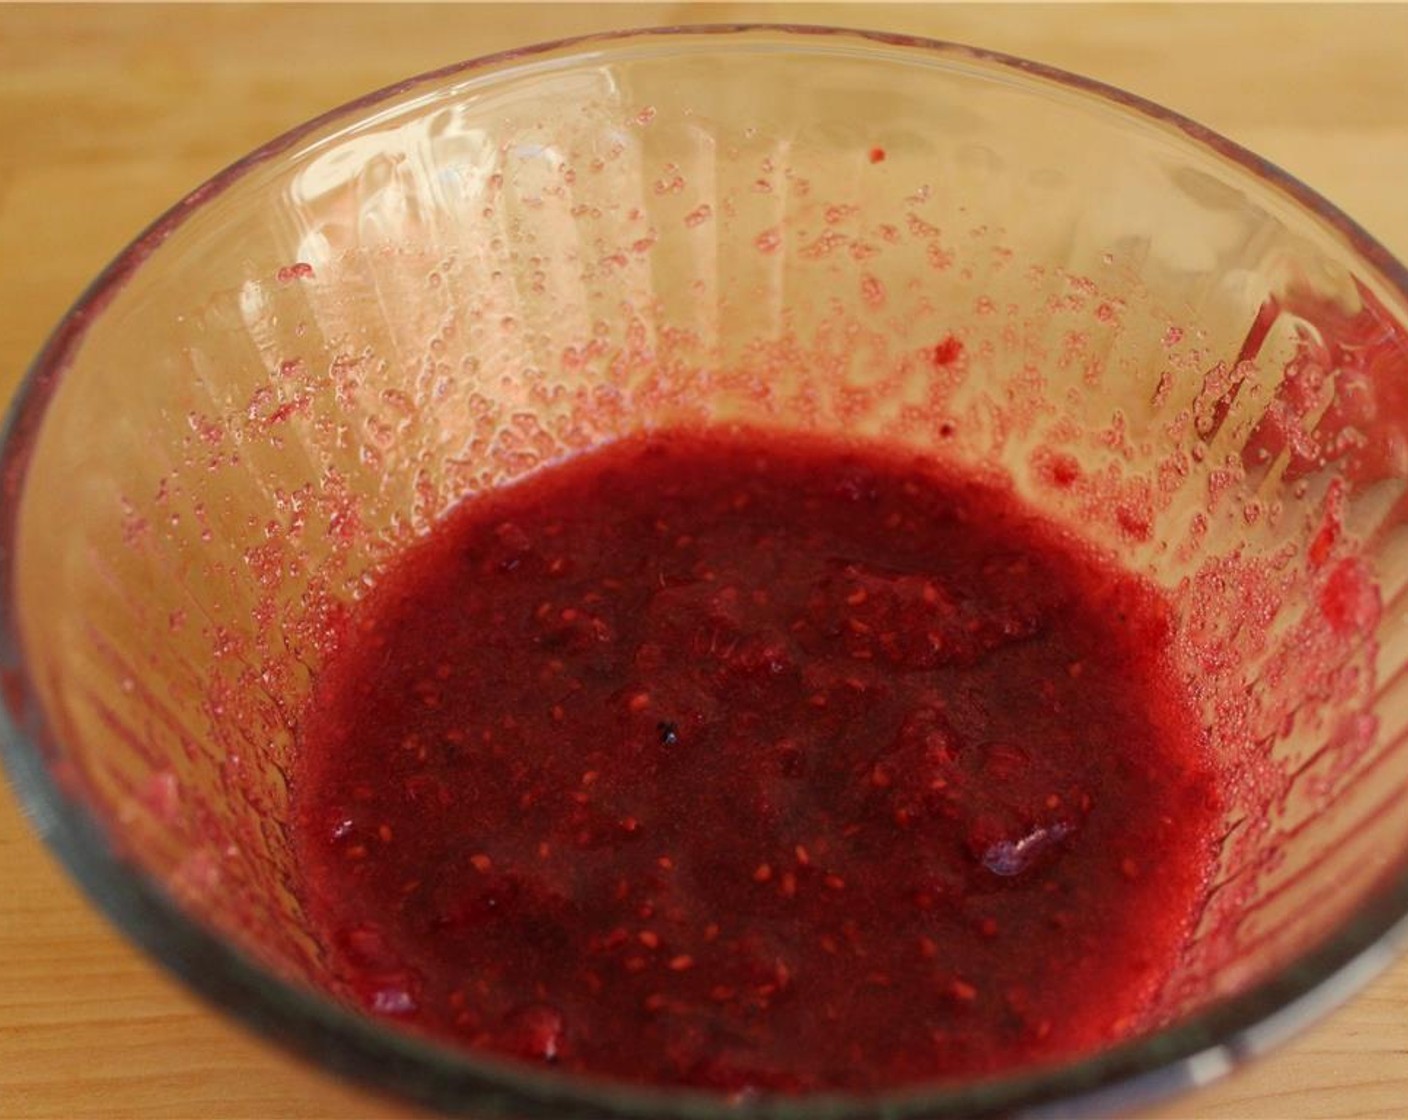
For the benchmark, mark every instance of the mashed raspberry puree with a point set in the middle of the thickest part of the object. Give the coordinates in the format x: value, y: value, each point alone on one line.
x: 754, y: 763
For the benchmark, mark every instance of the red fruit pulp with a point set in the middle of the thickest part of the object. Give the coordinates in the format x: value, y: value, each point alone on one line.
x: 755, y: 762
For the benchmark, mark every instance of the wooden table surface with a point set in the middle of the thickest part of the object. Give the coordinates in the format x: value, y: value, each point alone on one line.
x: 109, y: 114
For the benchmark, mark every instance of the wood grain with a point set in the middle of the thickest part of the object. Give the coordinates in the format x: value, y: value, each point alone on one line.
x: 109, y: 114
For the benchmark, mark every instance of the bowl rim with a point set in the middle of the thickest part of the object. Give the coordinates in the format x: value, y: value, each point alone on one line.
x: 1187, y: 1054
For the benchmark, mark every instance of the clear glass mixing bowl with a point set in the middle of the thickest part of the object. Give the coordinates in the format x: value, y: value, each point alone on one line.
x: 1165, y: 342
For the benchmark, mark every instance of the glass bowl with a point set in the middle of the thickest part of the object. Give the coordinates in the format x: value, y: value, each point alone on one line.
x: 1168, y: 344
